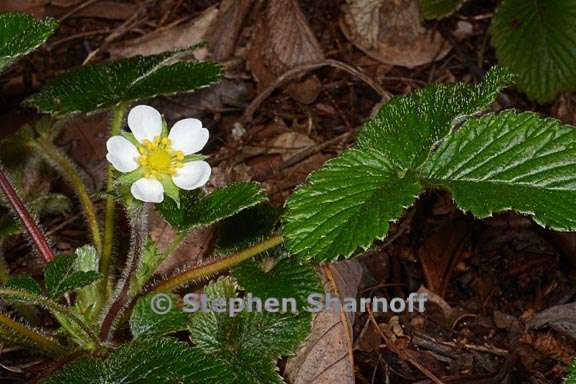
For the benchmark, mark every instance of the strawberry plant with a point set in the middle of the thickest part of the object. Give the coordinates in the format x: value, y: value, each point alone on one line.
x: 133, y: 327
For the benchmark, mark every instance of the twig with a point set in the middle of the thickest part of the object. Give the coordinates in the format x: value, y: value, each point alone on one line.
x: 248, y: 114
x: 402, y: 354
x: 75, y: 10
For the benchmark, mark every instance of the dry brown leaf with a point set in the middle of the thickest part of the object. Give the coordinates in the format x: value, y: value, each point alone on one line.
x: 392, y: 32
x: 179, y: 37
x: 561, y: 318
x: 441, y: 252
x: 193, y: 249
x: 36, y: 8
x: 224, y: 31
x: 283, y: 40
x: 326, y: 357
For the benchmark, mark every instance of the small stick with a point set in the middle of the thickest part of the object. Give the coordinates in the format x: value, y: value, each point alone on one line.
x: 305, y: 68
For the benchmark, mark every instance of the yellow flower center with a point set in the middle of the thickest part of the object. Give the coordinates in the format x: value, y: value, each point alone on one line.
x: 158, y: 158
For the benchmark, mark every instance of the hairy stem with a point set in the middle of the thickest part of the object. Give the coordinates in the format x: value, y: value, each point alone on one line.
x: 38, y: 339
x: 21, y: 296
x: 122, y: 296
x: 26, y: 218
x: 68, y: 170
x: 118, y: 116
x: 4, y: 271
x: 219, y: 265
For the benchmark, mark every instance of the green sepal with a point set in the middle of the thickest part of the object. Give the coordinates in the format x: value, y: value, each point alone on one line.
x: 127, y: 179
x: 131, y: 138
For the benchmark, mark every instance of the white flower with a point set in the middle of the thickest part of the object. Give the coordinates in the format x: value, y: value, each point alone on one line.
x: 159, y: 160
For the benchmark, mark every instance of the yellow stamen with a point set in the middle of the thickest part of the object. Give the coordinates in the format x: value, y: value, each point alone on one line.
x: 158, y: 158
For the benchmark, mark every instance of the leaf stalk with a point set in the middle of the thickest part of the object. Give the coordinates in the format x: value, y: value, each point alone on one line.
x: 42, y: 341
x: 219, y: 265
x: 115, y: 128
x: 65, y: 166
x: 26, y: 218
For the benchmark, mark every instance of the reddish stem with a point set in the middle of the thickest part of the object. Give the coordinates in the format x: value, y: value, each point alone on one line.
x: 18, y: 206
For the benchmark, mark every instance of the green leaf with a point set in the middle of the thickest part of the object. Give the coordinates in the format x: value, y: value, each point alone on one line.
x: 145, y: 322
x: 87, y: 297
x: 283, y: 278
x: 158, y: 361
x: 250, y: 341
x: 98, y: 86
x: 220, y: 204
x: 346, y: 205
x: 21, y: 34
x: 438, y: 9
x: 150, y: 260
x: 407, y: 127
x: 537, y: 40
x: 61, y: 276
x: 350, y: 202
x: 246, y: 228
x: 252, y: 332
x: 507, y: 161
x: 25, y: 283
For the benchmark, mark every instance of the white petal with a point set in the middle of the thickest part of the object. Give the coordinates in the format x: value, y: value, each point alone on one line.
x: 148, y: 190
x: 188, y: 136
x: 192, y: 175
x: 122, y: 154
x: 145, y: 122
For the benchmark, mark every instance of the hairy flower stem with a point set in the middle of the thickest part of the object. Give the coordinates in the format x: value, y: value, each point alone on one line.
x: 121, y: 298
x: 68, y: 170
x: 117, y: 118
x: 38, y: 339
x: 26, y: 218
x: 219, y: 265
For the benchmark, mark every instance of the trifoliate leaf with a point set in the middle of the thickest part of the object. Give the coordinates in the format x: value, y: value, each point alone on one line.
x: 250, y: 341
x: 285, y: 278
x: 20, y: 34
x: 61, y: 276
x: 24, y: 282
x: 437, y: 9
x: 157, y: 361
x: 507, y: 161
x: 220, y: 204
x: 350, y: 202
x: 407, y: 127
x: 246, y: 228
x: 146, y: 322
x: 346, y: 205
x: 97, y: 86
x: 537, y: 40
